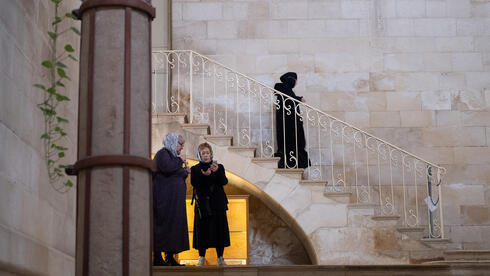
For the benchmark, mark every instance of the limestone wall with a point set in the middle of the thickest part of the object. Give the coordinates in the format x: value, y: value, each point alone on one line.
x: 37, y: 224
x: 415, y: 72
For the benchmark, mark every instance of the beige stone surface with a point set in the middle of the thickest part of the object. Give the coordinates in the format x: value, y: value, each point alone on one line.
x: 37, y: 223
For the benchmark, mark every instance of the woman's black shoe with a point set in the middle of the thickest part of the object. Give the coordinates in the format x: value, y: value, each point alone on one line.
x: 173, y: 262
x: 170, y: 261
x: 159, y: 262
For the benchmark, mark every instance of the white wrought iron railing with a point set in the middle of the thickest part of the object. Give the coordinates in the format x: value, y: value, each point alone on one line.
x: 348, y: 158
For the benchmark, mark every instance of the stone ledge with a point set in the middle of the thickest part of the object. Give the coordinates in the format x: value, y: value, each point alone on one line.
x: 311, y: 270
x: 293, y: 173
x: 337, y: 194
x: 201, y: 129
x: 169, y: 117
x: 410, y: 229
x: 318, y: 183
x: 383, y: 218
x: 362, y: 206
x: 266, y: 162
x: 474, y: 255
x: 244, y: 151
x: 220, y: 140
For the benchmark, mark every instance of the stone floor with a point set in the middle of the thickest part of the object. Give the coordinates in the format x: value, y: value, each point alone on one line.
x: 480, y: 269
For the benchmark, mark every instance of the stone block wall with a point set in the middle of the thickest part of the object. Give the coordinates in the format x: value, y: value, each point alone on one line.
x: 413, y: 72
x: 37, y: 224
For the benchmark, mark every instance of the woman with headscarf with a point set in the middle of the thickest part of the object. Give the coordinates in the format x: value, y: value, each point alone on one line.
x: 210, y: 221
x: 289, y: 128
x: 170, y: 233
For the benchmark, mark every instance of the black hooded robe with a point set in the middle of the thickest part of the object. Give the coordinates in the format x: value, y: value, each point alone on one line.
x: 290, y: 133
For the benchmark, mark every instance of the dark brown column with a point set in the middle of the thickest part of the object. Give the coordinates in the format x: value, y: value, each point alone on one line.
x: 114, y: 182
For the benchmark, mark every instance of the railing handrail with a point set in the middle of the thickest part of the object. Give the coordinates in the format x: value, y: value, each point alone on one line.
x: 441, y: 169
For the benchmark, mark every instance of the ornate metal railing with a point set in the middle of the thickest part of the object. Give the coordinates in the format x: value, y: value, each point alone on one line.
x: 348, y: 158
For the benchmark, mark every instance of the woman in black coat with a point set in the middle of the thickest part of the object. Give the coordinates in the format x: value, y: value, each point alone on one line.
x: 210, y: 221
x: 290, y: 133
x: 170, y: 232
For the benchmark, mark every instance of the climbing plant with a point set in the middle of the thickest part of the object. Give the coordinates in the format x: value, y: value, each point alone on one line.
x: 55, y: 95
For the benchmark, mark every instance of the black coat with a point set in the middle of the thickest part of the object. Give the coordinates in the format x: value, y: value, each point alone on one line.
x: 210, y: 229
x: 290, y: 133
x: 170, y: 232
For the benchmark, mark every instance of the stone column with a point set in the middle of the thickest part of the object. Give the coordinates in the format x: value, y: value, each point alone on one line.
x: 114, y: 212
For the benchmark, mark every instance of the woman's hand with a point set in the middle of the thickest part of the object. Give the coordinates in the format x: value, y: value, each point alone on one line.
x: 187, y: 169
x: 206, y: 172
x: 303, y: 100
x: 214, y: 166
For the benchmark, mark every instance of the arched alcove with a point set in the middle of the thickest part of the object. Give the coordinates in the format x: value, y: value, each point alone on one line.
x: 275, y: 237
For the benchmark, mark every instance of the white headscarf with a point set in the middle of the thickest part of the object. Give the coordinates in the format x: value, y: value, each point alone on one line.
x: 170, y: 142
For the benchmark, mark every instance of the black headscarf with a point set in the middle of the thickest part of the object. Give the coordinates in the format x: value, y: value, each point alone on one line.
x: 289, y: 79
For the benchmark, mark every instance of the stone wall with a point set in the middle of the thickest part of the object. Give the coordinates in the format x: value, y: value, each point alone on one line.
x: 414, y: 72
x: 37, y: 224
x: 271, y: 241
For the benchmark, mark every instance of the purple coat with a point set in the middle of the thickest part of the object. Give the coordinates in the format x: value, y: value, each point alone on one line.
x: 169, y: 209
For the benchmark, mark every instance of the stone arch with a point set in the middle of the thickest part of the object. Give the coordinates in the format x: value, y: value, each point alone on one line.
x: 245, y: 185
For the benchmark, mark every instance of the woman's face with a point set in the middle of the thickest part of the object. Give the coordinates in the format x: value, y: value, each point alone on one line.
x: 205, y: 155
x: 180, y: 146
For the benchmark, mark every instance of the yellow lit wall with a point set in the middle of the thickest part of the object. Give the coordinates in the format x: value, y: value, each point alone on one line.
x: 237, y: 252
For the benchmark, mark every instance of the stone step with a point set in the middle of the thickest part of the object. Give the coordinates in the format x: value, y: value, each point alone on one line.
x: 385, y: 218
x: 410, y: 229
x: 362, y: 206
x: 266, y: 162
x: 314, y: 270
x: 474, y: 255
x: 169, y: 117
x: 220, y: 140
x: 436, y: 243
x: 340, y: 197
x: 317, y: 183
x: 293, y: 173
x: 243, y: 151
x: 199, y: 129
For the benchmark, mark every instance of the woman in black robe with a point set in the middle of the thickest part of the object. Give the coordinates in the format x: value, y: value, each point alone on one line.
x: 170, y: 232
x: 210, y: 221
x: 290, y: 133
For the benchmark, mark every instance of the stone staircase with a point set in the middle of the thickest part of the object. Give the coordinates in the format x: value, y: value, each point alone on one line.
x: 333, y: 228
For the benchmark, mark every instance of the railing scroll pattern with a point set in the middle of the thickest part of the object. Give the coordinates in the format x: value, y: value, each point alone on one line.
x: 350, y: 159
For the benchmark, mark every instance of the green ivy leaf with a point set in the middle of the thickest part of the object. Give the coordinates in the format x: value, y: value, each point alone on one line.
x: 75, y: 30
x: 61, y: 120
x: 69, y: 48
x: 47, y: 64
x: 48, y: 111
x: 50, y: 162
x: 60, y: 64
x: 57, y: 128
x: 61, y: 73
x: 51, y: 90
x: 62, y: 166
x: 56, y: 21
x: 40, y: 86
x: 52, y: 35
x: 61, y: 154
x: 62, y: 133
x: 72, y: 57
x: 69, y: 15
x: 68, y: 183
x: 45, y: 136
x: 61, y: 98
x: 59, y: 83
